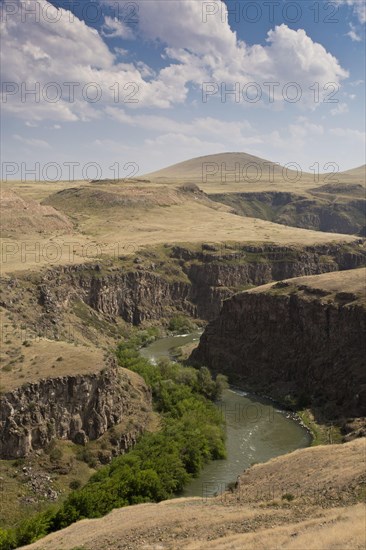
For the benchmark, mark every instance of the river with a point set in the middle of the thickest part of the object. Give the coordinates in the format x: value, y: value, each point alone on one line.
x: 256, y: 429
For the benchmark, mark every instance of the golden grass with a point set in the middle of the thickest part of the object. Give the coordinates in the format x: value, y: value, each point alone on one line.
x: 352, y: 282
x: 111, y: 220
x: 27, y: 358
x: 311, y: 520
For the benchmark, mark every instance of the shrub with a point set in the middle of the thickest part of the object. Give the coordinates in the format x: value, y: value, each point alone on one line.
x: 288, y: 496
x: 75, y: 484
x: 7, y: 539
x: 180, y: 323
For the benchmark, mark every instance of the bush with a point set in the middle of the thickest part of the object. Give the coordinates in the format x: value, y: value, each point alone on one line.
x: 87, y: 456
x: 75, y: 484
x: 7, y: 540
x: 181, y: 324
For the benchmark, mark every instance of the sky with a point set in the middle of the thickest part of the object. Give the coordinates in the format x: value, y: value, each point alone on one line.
x: 108, y: 88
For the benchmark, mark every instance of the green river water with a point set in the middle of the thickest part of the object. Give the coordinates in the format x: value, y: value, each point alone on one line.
x: 256, y: 428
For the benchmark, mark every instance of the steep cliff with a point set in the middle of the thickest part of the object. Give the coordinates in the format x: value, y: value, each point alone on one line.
x: 77, y: 408
x: 157, y: 284
x: 303, y: 339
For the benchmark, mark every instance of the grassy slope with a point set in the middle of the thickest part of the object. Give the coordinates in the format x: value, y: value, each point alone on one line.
x: 350, y: 283
x: 310, y: 498
x: 110, y: 220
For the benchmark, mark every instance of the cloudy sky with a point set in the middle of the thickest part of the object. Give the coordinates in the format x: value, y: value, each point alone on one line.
x: 142, y: 84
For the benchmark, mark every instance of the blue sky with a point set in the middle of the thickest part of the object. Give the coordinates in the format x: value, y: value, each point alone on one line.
x: 149, y: 80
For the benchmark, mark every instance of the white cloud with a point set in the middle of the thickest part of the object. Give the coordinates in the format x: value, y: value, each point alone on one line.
x: 303, y: 128
x: 356, y: 83
x: 353, y: 34
x: 355, y: 135
x: 341, y: 109
x: 38, y: 143
x: 180, y: 25
x: 350, y: 96
x: 37, y: 52
x: 115, y: 28
x: 359, y: 8
x: 200, y: 126
x: 195, y: 52
x: 212, y: 51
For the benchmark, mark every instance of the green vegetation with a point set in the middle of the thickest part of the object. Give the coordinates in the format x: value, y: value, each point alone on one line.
x: 323, y: 434
x: 160, y: 465
x: 181, y: 324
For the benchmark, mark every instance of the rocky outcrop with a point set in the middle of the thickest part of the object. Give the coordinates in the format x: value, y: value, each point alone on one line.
x: 292, y: 342
x: 77, y: 408
x: 194, y: 282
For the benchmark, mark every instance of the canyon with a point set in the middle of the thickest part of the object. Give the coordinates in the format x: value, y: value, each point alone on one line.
x: 274, y: 276
x: 300, y: 340
x: 99, y: 300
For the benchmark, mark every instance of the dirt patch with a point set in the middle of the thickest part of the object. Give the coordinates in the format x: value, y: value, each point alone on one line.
x: 19, y: 215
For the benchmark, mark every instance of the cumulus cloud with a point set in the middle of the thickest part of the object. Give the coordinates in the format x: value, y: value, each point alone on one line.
x: 33, y: 57
x: 211, y: 51
x: 194, y: 52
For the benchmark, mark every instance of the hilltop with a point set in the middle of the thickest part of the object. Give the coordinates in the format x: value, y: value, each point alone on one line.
x: 236, y: 171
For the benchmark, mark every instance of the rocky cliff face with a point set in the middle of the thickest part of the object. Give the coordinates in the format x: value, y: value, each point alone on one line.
x: 77, y: 408
x: 314, y: 211
x: 189, y: 281
x: 292, y: 342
